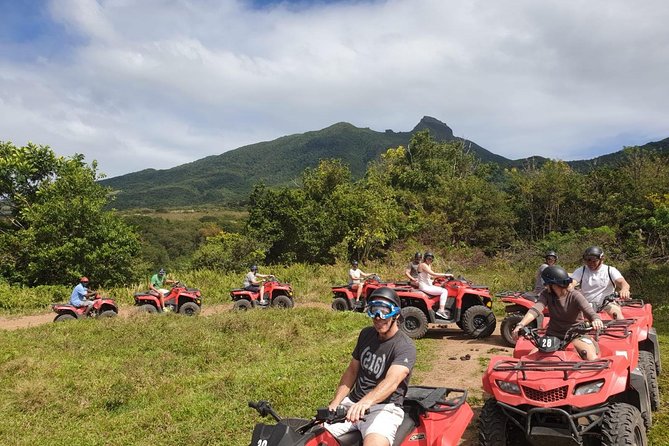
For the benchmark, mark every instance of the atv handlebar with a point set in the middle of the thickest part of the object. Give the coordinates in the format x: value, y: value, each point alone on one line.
x: 264, y: 408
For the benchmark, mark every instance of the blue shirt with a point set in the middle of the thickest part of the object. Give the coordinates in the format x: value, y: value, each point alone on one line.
x: 78, y: 294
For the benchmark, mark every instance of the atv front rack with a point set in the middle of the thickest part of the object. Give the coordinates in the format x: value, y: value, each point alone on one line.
x: 552, y: 366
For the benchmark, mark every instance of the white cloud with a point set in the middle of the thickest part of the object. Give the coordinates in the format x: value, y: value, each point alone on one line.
x: 157, y: 84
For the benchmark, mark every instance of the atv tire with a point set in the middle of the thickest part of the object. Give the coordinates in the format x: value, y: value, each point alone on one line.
x: 414, y: 322
x: 509, y: 323
x: 478, y: 321
x: 623, y: 424
x: 496, y: 429
x: 64, y: 318
x: 108, y: 314
x: 647, y: 366
x: 242, y: 305
x: 283, y: 302
x: 147, y: 308
x: 189, y: 309
x: 340, y: 304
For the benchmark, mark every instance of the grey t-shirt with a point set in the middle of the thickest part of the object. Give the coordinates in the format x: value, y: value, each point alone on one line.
x: 413, y: 270
x: 376, y: 357
x: 249, y: 279
x: 564, y: 312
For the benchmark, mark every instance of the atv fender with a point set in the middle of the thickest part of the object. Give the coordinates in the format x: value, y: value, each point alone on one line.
x: 652, y: 345
x: 640, y: 386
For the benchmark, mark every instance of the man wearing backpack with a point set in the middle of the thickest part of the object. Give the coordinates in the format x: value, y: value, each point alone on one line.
x: 598, y: 280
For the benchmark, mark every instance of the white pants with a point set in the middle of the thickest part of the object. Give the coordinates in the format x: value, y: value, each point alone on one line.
x: 382, y: 419
x: 433, y: 290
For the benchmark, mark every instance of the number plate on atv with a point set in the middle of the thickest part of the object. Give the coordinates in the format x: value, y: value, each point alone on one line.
x: 549, y: 344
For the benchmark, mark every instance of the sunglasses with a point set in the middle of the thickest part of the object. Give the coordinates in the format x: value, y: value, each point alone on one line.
x: 382, y: 309
x: 590, y: 259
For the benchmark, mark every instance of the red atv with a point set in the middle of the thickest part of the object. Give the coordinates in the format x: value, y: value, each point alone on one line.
x: 102, y: 307
x: 548, y: 395
x: 181, y: 299
x: 649, y: 349
x: 275, y: 293
x: 517, y: 305
x: 468, y: 306
x: 432, y: 416
x: 344, y: 296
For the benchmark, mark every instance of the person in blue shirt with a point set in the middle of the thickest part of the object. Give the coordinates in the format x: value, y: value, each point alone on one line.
x: 80, y: 293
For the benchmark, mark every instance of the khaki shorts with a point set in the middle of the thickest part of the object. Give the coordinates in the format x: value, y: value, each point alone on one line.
x: 382, y: 419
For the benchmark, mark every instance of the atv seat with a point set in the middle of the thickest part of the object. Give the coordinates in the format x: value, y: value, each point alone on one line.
x: 479, y: 287
x: 530, y: 296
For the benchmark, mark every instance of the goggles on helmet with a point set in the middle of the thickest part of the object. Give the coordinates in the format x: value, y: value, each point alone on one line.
x: 382, y: 309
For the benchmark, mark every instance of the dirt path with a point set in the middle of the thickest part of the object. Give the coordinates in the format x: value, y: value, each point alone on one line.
x: 459, y: 361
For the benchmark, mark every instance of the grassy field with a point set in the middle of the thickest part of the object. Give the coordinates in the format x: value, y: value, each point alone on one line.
x: 169, y: 380
x: 173, y: 380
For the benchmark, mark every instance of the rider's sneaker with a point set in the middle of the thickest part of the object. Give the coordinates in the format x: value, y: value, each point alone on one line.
x: 442, y: 314
x: 262, y: 302
x: 168, y: 309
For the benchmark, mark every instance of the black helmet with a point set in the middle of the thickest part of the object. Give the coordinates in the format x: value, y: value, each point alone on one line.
x: 254, y: 268
x: 428, y: 254
x: 551, y: 254
x: 354, y: 262
x: 593, y: 251
x: 161, y: 272
x: 385, y: 293
x: 418, y: 256
x: 555, y: 275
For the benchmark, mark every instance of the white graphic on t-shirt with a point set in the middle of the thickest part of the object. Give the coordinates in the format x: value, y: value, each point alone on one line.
x: 375, y: 365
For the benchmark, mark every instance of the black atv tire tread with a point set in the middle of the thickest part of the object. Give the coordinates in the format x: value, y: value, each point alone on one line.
x: 64, y: 318
x: 495, y: 429
x: 148, y: 308
x: 242, y: 305
x: 282, y: 301
x: 340, y: 304
x: 623, y: 425
x: 414, y: 314
x: 647, y: 366
x: 108, y: 314
x: 508, y: 324
x: 468, y: 322
x: 189, y: 309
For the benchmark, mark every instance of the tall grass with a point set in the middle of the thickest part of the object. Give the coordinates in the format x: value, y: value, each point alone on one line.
x: 170, y: 380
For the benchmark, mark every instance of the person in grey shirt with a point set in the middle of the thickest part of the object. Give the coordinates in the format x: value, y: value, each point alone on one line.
x: 566, y: 307
x: 550, y: 259
x: 377, y: 377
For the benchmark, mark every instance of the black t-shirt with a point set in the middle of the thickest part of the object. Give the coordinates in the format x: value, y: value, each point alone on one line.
x: 376, y: 357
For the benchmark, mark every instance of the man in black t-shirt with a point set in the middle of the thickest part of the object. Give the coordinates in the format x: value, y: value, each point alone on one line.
x: 378, y: 375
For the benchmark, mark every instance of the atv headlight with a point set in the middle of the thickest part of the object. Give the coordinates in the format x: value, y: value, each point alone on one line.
x: 508, y: 387
x: 589, y: 388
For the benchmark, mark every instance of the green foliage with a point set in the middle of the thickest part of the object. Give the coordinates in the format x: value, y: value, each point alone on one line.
x: 58, y: 229
x: 228, y: 252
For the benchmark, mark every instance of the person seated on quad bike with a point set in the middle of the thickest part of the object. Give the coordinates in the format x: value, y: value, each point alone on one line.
x: 598, y: 280
x: 425, y: 275
x: 157, y: 287
x: 355, y: 276
x: 550, y: 259
x: 411, y: 270
x: 79, y: 295
x: 566, y: 307
x: 252, y: 284
x: 377, y: 377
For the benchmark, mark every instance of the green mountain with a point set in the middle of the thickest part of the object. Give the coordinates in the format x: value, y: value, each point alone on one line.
x: 229, y: 178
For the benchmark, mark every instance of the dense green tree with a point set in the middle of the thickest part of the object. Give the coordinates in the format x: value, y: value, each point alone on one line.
x: 57, y: 229
x: 228, y: 252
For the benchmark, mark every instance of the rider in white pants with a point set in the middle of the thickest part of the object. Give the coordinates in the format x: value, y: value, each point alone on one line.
x: 425, y: 275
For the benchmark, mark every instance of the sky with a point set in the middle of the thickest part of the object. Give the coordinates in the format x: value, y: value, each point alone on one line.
x: 160, y: 83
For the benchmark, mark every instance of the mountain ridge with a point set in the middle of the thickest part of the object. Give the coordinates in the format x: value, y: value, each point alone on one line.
x: 228, y: 178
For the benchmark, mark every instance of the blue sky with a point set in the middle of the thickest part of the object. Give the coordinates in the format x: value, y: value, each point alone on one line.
x: 159, y: 83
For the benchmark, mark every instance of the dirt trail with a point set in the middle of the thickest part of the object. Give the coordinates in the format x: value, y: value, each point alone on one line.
x: 459, y: 361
